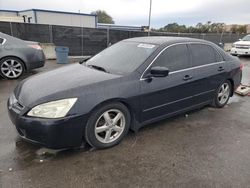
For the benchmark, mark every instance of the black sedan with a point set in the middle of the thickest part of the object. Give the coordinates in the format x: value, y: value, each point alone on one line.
x: 132, y: 83
x: 18, y: 56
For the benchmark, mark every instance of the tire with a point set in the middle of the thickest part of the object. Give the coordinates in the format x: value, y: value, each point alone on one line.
x: 105, y: 128
x: 11, y: 68
x: 221, y: 97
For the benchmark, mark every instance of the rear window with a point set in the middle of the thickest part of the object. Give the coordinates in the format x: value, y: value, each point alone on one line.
x: 203, y: 54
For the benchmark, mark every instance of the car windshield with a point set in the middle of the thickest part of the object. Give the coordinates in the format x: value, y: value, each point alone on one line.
x: 122, y: 58
x: 246, y: 38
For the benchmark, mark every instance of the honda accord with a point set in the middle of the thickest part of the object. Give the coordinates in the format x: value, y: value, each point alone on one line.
x: 126, y: 86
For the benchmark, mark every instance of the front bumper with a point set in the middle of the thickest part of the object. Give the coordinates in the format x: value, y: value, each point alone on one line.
x: 51, y: 133
x: 239, y: 51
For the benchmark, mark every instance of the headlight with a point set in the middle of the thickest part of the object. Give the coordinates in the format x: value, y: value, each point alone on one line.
x: 54, y: 109
x: 233, y: 45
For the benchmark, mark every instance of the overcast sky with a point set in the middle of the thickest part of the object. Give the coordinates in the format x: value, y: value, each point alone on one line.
x: 135, y: 12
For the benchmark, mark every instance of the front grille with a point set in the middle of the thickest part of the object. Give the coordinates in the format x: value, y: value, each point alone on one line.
x: 18, y: 106
x: 15, y: 104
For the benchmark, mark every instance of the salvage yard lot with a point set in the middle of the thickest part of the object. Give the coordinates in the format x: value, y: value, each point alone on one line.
x: 204, y: 148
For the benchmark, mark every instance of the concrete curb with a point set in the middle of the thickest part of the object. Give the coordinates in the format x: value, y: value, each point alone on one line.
x: 49, y: 50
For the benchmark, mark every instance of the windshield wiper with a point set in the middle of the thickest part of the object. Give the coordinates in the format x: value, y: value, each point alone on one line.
x: 84, y: 60
x: 98, y: 68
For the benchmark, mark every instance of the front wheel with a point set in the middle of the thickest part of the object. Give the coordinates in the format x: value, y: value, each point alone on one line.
x: 107, y: 125
x: 222, y: 94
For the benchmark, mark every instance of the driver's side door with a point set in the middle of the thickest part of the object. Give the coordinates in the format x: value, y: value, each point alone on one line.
x: 163, y: 96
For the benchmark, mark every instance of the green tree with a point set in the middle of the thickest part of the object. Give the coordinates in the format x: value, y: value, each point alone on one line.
x: 217, y: 27
x: 103, y: 17
x: 192, y: 29
x: 175, y: 28
x: 242, y: 29
x: 234, y: 29
x: 204, y: 28
x: 207, y: 27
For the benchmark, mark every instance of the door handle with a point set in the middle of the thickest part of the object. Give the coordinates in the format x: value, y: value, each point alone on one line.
x: 220, y: 69
x: 187, y: 77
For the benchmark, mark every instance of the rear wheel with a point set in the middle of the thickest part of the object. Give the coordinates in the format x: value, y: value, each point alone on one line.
x: 107, y: 125
x: 222, y: 94
x: 11, y: 68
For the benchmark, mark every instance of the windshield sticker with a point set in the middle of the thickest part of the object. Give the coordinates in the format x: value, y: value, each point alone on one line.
x: 149, y: 46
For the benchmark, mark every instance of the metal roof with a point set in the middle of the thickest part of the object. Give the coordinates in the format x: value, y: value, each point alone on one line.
x: 51, y: 11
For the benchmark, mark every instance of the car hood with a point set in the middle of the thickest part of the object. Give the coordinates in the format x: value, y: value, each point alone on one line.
x: 66, y: 82
x: 242, y: 43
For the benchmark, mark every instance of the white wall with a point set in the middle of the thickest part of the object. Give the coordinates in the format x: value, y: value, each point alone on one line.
x: 29, y: 13
x: 8, y: 13
x: 11, y: 19
x: 65, y: 19
x: 9, y: 16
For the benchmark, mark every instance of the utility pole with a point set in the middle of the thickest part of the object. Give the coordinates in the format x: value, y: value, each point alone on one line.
x: 149, y: 17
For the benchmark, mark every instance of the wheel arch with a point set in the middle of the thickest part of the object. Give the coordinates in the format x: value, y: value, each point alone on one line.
x: 232, y: 84
x: 125, y: 103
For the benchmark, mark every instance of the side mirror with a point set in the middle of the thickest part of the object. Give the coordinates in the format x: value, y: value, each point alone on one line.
x: 240, y: 39
x: 159, y: 71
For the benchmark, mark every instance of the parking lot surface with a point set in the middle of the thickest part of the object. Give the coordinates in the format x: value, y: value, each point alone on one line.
x: 204, y: 148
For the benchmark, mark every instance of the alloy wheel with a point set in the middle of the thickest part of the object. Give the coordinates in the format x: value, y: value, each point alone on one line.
x: 11, y: 68
x: 110, y: 126
x: 224, y: 93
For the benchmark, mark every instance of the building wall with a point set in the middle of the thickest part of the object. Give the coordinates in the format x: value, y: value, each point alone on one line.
x: 29, y: 13
x: 118, y: 27
x: 11, y: 19
x: 8, y: 13
x: 51, y: 17
x: 54, y: 18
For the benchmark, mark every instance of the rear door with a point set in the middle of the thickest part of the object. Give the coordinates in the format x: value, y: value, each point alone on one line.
x: 209, y: 71
x: 168, y: 95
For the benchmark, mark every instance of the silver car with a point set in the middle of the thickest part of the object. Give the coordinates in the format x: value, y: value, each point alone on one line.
x: 18, y: 56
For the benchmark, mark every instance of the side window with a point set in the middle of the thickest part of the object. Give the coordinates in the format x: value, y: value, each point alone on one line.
x: 218, y: 56
x: 174, y: 58
x: 203, y: 54
x: 1, y: 41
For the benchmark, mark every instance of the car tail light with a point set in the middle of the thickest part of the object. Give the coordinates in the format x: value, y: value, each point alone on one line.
x: 35, y: 46
x: 241, y: 66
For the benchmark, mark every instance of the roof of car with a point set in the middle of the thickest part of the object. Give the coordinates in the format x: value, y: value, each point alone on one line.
x: 163, y: 40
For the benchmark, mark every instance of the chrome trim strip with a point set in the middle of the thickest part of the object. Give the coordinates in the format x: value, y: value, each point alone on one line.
x: 196, y: 67
x: 159, y: 106
x: 141, y: 78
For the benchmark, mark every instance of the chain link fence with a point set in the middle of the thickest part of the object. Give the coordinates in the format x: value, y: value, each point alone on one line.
x: 89, y: 41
